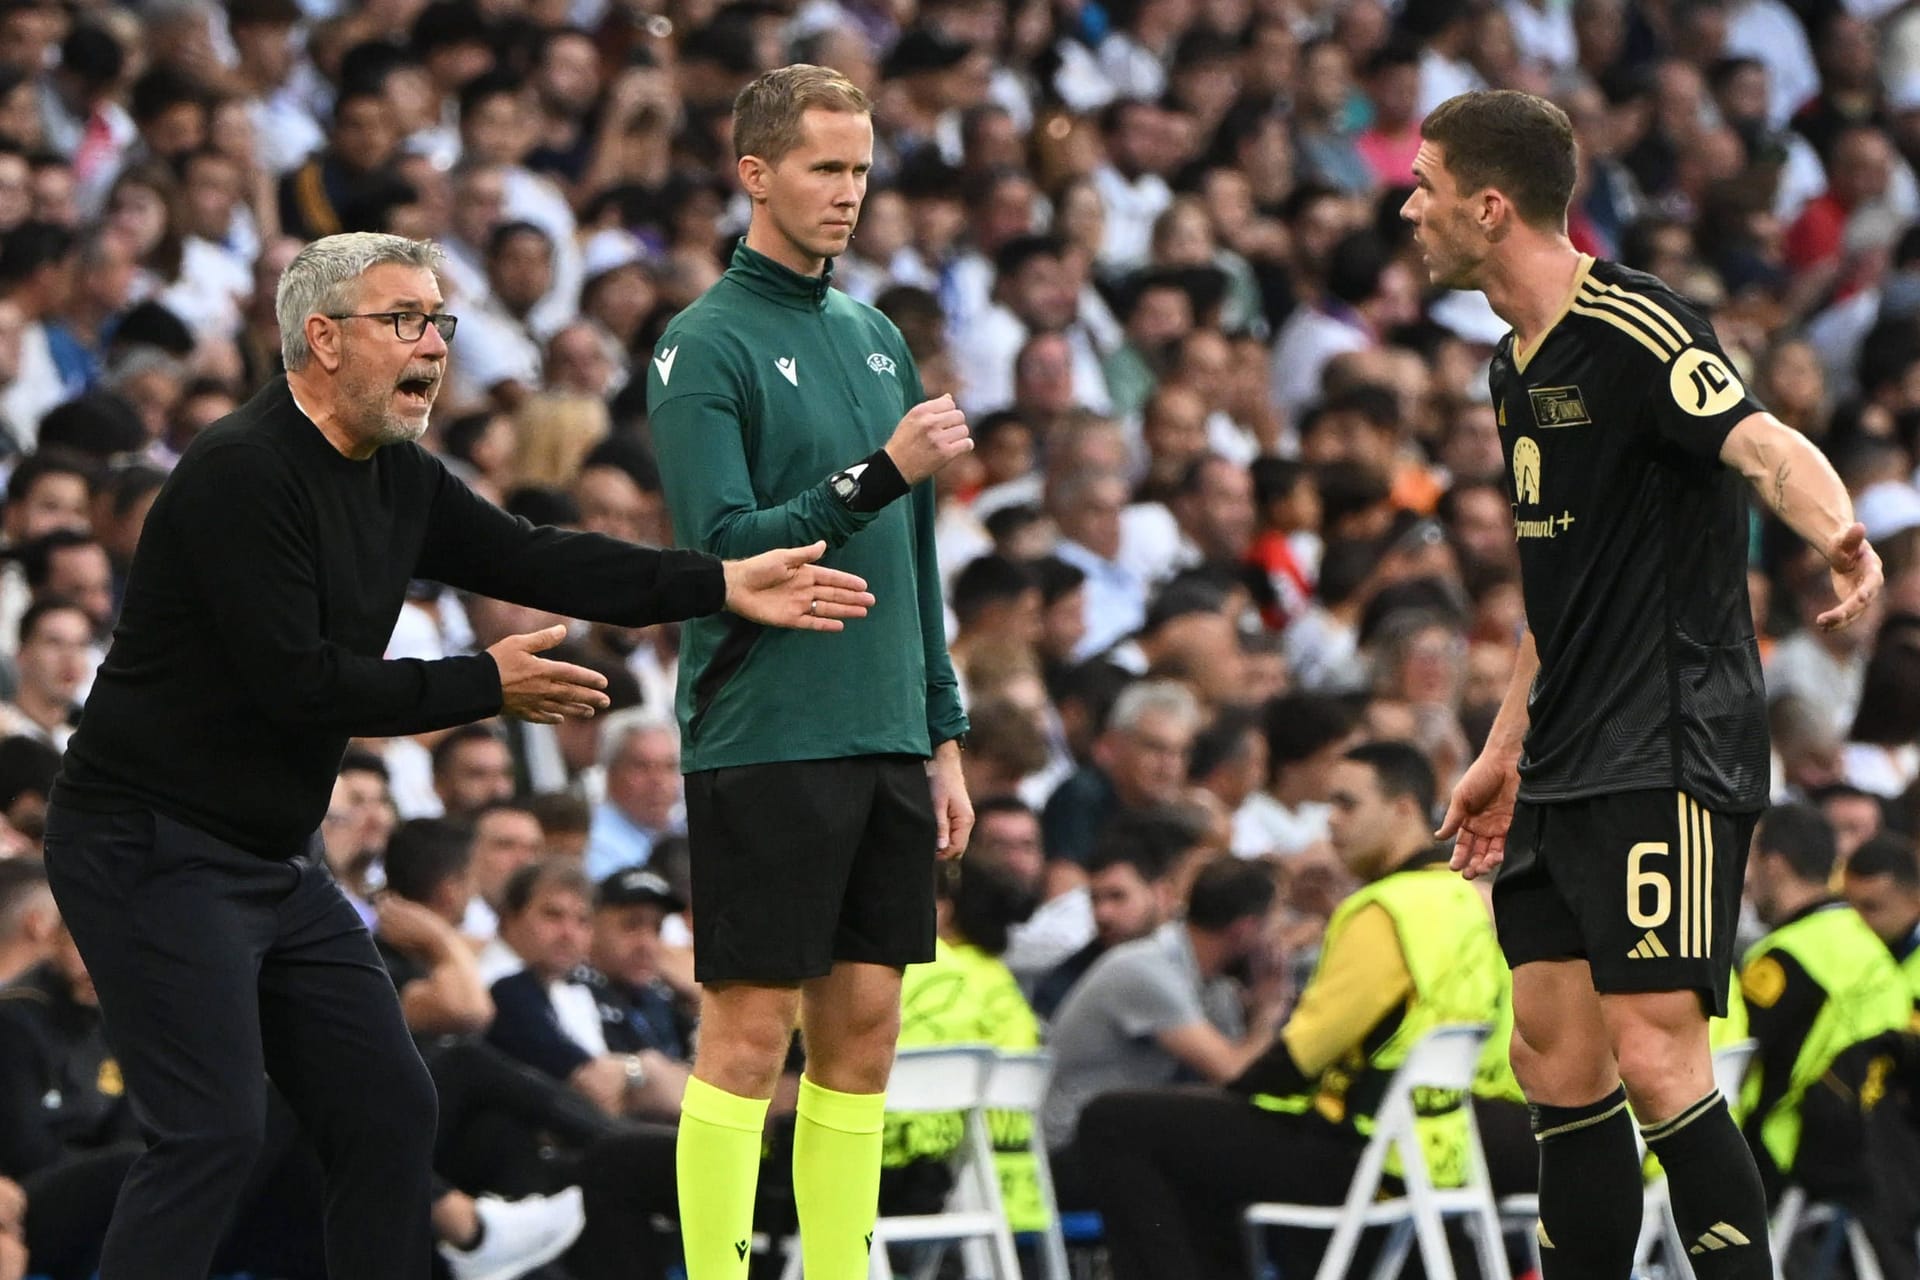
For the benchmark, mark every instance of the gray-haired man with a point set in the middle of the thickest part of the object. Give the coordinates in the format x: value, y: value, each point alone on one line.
x: 181, y: 839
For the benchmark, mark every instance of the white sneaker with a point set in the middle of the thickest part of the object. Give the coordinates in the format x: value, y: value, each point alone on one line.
x: 520, y: 1235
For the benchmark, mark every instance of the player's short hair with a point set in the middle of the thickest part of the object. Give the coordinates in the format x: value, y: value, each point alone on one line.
x: 1228, y: 890
x: 564, y: 875
x: 424, y: 854
x: 1401, y: 770
x: 767, y: 113
x: 1802, y: 835
x: 1887, y: 855
x: 1517, y: 143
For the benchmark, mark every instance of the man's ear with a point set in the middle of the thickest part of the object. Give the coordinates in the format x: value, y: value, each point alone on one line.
x: 1495, y: 214
x: 324, y: 339
x: 755, y: 174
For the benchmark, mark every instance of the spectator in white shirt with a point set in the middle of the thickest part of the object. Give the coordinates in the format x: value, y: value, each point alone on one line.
x: 506, y: 837
x: 1130, y: 183
x: 1033, y: 294
x: 55, y: 636
x: 1087, y: 507
x: 641, y: 752
x: 1306, y: 736
x: 262, y: 32
x: 1136, y: 54
x: 499, y: 360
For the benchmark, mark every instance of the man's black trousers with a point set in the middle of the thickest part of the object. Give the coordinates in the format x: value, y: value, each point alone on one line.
x: 216, y: 970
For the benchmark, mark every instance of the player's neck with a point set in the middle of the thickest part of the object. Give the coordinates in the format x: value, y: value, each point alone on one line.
x: 1528, y: 286
x: 766, y: 240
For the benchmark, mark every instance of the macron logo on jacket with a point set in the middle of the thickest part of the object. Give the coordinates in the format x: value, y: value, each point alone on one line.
x: 785, y: 364
x: 664, y: 363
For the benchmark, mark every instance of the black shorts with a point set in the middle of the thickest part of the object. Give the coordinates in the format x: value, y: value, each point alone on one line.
x: 1643, y: 885
x: 798, y: 864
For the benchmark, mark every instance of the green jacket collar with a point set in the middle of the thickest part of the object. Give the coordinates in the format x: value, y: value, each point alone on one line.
x: 764, y: 276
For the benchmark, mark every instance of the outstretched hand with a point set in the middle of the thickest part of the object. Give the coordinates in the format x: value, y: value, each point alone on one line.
x: 542, y: 690
x: 1480, y: 811
x: 785, y: 588
x: 1857, y: 577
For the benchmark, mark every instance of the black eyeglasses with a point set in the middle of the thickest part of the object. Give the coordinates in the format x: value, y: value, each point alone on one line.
x: 409, y: 326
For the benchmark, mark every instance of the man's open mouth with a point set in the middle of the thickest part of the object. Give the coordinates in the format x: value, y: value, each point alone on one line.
x: 420, y: 389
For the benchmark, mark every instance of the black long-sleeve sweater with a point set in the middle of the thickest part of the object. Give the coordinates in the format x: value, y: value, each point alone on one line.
x: 265, y: 588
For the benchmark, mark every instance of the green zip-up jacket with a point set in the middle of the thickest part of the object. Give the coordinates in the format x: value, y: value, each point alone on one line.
x: 770, y: 383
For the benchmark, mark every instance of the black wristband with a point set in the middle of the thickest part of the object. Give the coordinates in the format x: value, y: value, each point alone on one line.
x: 869, y: 484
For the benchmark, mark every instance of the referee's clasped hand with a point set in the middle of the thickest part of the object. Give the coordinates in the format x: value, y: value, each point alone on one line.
x: 785, y: 588
x: 932, y: 434
x: 541, y: 690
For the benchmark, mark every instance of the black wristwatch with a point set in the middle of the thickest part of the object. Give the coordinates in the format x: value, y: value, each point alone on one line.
x: 846, y: 484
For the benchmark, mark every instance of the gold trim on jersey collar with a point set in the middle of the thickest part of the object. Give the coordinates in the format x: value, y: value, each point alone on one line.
x: 1522, y: 358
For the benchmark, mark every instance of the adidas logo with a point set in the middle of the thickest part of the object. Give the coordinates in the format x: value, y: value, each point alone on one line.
x: 1650, y: 948
x: 1718, y: 1236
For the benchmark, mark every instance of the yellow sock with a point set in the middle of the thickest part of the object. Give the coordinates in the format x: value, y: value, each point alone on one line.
x: 717, y: 1157
x: 836, y: 1179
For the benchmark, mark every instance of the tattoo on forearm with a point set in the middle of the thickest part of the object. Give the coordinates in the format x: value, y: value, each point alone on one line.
x: 1780, y: 486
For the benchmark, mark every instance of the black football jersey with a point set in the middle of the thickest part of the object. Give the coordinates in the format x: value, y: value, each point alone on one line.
x: 1633, y: 549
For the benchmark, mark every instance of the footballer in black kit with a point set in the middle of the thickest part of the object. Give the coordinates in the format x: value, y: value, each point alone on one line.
x: 1646, y: 759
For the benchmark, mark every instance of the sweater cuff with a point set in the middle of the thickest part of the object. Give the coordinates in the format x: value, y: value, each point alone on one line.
x: 693, y: 584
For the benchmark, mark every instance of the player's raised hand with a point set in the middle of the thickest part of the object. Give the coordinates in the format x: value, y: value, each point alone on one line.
x: 1479, y: 812
x: 542, y: 690
x: 1857, y: 576
x: 932, y: 434
x: 785, y: 588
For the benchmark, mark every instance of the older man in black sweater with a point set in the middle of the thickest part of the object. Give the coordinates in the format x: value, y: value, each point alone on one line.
x: 181, y: 839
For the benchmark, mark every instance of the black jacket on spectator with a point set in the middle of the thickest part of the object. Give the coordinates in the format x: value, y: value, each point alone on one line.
x: 527, y: 1027
x: 636, y: 1018
x: 60, y: 1090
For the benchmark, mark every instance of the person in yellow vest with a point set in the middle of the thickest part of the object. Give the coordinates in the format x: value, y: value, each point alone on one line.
x: 1816, y: 986
x: 1412, y: 949
x: 965, y: 996
x: 1883, y: 884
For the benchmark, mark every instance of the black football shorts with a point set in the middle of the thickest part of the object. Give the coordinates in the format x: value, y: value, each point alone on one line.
x: 799, y: 864
x: 1642, y: 885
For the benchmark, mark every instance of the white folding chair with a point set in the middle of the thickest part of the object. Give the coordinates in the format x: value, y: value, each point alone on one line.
x: 1795, y: 1213
x: 1657, y: 1224
x: 941, y: 1080
x: 1444, y: 1059
x: 1018, y: 1083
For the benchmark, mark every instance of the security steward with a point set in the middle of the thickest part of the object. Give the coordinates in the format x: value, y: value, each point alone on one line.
x: 1411, y: 950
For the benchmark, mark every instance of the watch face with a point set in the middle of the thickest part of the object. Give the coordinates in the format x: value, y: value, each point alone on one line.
x: 844, y: 486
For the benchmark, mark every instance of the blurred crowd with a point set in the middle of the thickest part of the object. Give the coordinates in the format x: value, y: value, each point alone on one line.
x: 1238, y: 502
